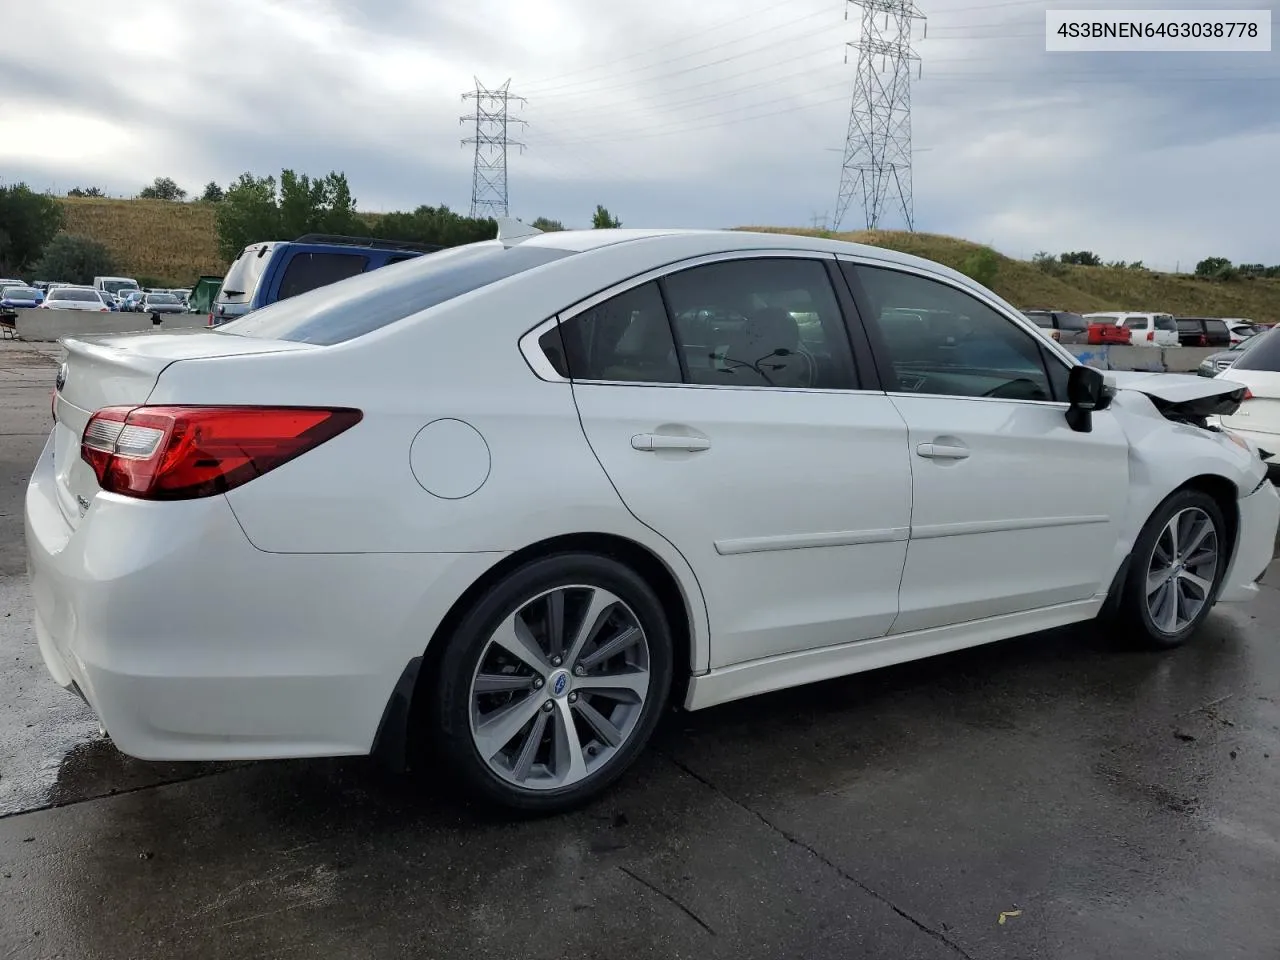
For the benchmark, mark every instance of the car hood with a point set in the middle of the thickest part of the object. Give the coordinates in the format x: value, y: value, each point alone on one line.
x: 1183, y: 395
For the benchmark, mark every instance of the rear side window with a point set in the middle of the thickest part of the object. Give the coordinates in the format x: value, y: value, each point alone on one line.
x: 1263, y: 353
x: 626, y: 338
x: 242, y: 279
x: 1071, y: 321
x: 306, y: 271
x: 334, y: 314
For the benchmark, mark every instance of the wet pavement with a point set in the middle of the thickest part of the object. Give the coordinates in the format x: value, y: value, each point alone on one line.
x: 1048, y: 797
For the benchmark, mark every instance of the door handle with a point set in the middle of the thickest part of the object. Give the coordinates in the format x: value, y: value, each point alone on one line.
x: 664, y: 441
x: 941, y: 451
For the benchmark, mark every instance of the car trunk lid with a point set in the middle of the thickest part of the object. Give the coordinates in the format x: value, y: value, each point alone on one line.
x: 122, y: 370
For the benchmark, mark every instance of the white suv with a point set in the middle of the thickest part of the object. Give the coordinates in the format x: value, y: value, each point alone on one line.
x: 1147, y: 329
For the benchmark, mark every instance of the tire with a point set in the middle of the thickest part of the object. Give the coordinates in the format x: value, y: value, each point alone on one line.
x: 1144, y: 617
x: 537, y: 770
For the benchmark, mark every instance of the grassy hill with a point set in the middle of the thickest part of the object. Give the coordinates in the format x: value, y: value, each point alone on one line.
x: 176, y: 242
x: 1085, y: 289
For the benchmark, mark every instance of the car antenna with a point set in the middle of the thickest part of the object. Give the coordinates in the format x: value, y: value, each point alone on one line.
x: 511, y: 231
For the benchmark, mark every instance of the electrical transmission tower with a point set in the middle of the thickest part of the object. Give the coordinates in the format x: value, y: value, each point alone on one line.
x: 877, y: 150
x: 492, y: 122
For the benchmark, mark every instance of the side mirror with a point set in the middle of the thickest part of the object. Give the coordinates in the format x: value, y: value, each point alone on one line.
x: 1087, y: 391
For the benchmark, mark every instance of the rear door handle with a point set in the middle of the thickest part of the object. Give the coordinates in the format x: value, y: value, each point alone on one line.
x: 664, y: 441
x: 941, y: 451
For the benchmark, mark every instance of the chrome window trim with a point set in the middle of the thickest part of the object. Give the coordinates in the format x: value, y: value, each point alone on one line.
x: 542, y: 367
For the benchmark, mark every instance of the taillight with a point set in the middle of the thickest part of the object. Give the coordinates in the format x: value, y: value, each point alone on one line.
x: 1248, y: 394
x: 181, y: 453
x: 1151, y: 335
x: 211, y: 318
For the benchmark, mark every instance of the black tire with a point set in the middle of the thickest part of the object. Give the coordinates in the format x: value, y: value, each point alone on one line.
x: 449, y: 713
x: 1133, y: 622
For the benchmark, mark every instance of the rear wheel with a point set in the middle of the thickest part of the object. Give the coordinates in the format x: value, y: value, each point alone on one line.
x: 553, y: 683
x: 1177, y: 563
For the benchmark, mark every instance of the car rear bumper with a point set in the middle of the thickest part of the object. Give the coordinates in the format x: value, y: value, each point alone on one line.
x: 191, y: 644
x: 1256, y: 544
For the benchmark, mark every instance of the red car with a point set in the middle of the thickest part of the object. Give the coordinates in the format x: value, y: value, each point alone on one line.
x: 1109, y: 333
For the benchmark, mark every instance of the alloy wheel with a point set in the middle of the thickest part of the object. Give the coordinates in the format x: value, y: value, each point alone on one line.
x: 559, y: 687
x: 1182, y: 570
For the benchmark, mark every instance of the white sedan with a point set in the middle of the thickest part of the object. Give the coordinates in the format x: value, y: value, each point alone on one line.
x: 75, y: 298
x: 517, y: 497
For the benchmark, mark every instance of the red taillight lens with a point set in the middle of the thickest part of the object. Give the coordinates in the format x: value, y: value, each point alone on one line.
x: 180, y: 453
x: 211, y: 318
x: 1248, y: 394
x: 1151, y: 335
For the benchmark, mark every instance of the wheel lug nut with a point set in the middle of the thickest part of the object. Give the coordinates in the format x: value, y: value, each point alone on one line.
x: 555, y: 661
x: 579, y: 671
x: 537, y: 683
x: 573, y: 698
x: 548, y: 707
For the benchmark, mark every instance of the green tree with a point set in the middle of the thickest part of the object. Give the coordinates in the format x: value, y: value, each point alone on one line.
x: 603, y: 220
x: 546, y: 225
x: 212, y: 193
x: 1216, y: 268
x: 28, y: 221
x: 1048, y: 263
x: 982, y: 265
x: 162, y: 188
x: 75, y: 259
x: 1083, y: 258
x: 247, y: 214
x: 85, y: 192
x: 435, y: 225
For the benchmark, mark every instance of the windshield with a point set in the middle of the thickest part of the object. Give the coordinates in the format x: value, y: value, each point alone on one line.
x: 116, y: 286
x: 161, y: 298
x: 20, y: 293
x: 242, y: 279
x: 67, y: 293
x: 358, y: 305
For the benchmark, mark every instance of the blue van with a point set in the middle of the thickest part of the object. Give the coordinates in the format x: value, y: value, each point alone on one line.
x: 279, y: 269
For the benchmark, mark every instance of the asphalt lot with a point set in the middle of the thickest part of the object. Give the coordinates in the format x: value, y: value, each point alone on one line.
x: 1044, y: 797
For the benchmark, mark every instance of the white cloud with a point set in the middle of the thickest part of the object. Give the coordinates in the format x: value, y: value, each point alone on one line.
x: 720, y: 112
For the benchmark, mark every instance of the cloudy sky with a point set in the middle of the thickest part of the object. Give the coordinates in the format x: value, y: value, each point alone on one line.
x: 669, y: 112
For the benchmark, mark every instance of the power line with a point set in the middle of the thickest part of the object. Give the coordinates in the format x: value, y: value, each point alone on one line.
x: 771, y: 31
x: 877, y: 152
x: 492, y: 121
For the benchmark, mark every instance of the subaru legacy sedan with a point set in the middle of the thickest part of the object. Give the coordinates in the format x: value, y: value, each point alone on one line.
x: 514, y: 500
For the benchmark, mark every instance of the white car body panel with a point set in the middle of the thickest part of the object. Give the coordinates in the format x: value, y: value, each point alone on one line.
x: 468, y: 452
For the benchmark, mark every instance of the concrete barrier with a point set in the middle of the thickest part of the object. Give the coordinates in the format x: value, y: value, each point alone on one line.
x: 1155, y: 359
x: 50, y: 325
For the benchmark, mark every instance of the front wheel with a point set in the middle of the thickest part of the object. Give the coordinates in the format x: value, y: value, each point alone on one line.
x: 1178, y: 561
x: 553, y: 682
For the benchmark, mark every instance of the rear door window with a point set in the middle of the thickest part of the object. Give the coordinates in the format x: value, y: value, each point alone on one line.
x: 306, y: 271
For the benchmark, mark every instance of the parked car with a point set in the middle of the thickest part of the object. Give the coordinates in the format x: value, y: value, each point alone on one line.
x: 1203, y: 332
x: 130, y: 300
x: 267, y: 272
x: 19, y: 297
x: 1258, y: 416
x: 1242, y: 329
x: 115, y: 285
x: 75, y: 298
x: 1062, y: 325
x: 1146, y: 329
x: 1215, y: 363
x: 1107, y: 333
x: 160, y: 303
x: 12, y: 282
x: 534, y: 487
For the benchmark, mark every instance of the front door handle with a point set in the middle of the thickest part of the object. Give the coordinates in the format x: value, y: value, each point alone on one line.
x: 941, y: 451
x: 664, y: 441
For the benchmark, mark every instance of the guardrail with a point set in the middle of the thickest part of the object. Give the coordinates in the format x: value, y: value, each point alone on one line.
x: 1154, y: 359
x: 49, y: 325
